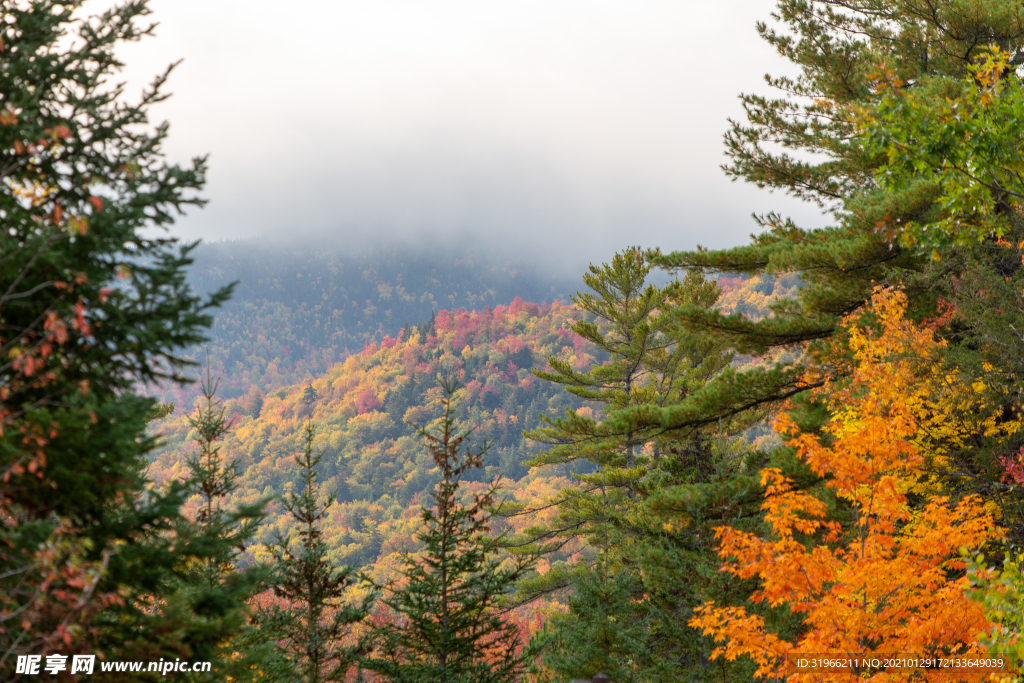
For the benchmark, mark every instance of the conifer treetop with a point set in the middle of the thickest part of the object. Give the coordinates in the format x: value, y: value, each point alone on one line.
x: 448, y: 626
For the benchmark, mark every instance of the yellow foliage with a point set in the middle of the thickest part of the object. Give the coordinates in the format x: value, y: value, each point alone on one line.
x: 883, y: 585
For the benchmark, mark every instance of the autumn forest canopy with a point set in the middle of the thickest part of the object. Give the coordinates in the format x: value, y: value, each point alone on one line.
x: 800, y: 458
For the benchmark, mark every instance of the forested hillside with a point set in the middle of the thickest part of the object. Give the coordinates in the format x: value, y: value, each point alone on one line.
x: 367, y: 408
x: 300, y: 308
x: 752, y: 296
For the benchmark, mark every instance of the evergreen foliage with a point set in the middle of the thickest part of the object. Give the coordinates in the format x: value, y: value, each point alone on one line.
x: 313, y: 621
x: 630, y: 322
x: 92, y: 308
x: 868, y: 130
x: 840, y: 49
x: 214, y: 479
x: 648, y: 510
x: 905, y: 121
x: 217, y: 588
x: 447, y: 626
x: 650, y: 361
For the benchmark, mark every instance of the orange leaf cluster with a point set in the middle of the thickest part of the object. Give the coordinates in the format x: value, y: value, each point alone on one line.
x: 882, y: 585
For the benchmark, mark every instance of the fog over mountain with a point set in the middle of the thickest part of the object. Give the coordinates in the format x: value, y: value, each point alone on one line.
x: 577, y: 127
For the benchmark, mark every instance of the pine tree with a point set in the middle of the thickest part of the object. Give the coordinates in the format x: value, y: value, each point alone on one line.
x: 890, y: 108
x: 630, y: 321
x: 92, y: 307
x: 811, y: 142
x: 448, y: 626
x: 315, y: 622
x: 630, y: 601
x: 840, y: 50
x: 651, y: 362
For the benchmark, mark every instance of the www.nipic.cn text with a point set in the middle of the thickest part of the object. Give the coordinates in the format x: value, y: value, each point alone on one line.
x: 86, y: 664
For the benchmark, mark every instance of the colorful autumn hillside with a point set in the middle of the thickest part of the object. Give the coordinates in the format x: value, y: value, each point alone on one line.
x: 297, y: 310
x: 302, y: 528
x: 753, y: 295
x: 366, y: 410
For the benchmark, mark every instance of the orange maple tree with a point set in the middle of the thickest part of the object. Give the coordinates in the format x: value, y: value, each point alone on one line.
x: 890, y: 583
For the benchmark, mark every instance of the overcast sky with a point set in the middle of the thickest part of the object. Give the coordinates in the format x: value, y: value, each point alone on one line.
x: 589, y: 124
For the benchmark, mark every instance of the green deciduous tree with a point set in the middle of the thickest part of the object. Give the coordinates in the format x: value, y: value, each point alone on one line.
x: 958, y: 138
x: 447, y: 626
x: 1000, y: 590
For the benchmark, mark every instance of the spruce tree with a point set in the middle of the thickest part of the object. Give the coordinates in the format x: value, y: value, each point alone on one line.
x: 215, y: 586
x: 213, y: 479
x: 605, y: 629
x: 446, y: 603
x: 93, y: 305
x: 314, y: 622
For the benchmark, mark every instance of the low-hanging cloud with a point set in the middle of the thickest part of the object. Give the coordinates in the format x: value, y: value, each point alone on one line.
x: 583, y: 124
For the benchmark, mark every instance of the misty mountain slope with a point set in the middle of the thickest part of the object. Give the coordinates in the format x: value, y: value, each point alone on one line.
x: 298, y: 310
x: 367, y: 408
